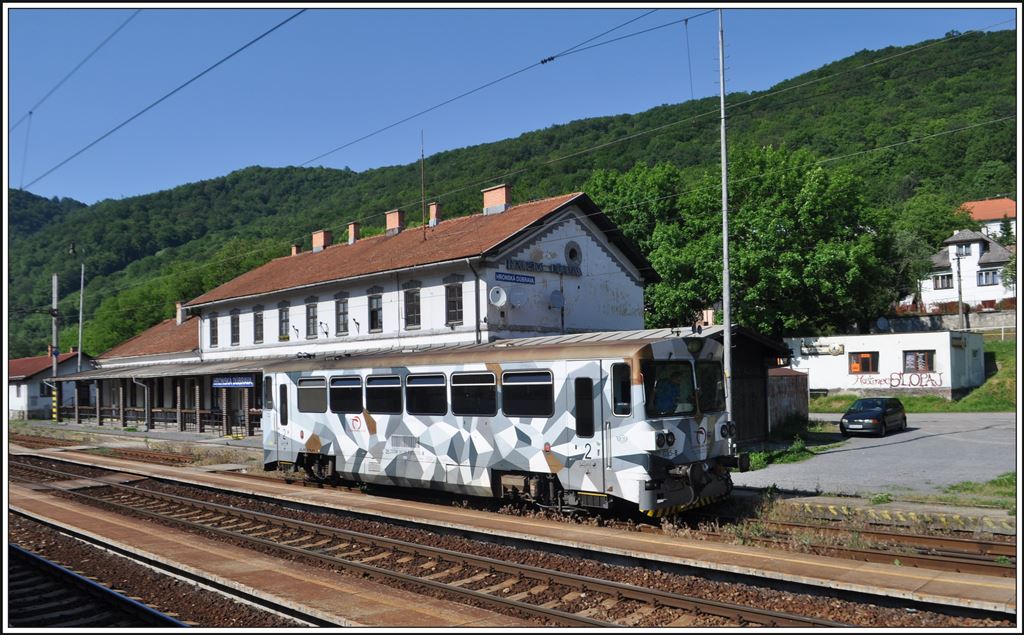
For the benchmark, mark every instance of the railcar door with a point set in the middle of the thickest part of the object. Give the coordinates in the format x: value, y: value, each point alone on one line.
x: 284, y: 439
x: 586, y: 415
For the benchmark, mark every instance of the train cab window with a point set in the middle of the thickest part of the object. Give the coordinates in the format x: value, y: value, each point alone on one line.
x: 346, y: 395
x: 583, y: 392
x: 669, y: 389
x: 313, y: 394
x: 622, y: 396
x: 384, y: 394
x: 710, y: 386
x: 426, y: 395
x: 474, y: 394
x: 268, y: 393
x: 528, y: 394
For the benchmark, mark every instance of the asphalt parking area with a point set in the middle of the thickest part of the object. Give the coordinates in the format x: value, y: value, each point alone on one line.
x: 936, y: 450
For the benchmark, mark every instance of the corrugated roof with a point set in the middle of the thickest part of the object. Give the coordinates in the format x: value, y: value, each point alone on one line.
x: 25, y: 367
x: 992, y: 209
x: 166, y: 337
x: 452, y: 239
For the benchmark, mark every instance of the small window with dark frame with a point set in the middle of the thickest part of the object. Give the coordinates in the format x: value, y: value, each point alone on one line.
x: 942, y: 281
x: 347, y: 395
x: 283, y: 311
x: 474, y: 394
x: 375, y: 307
x: 453, y: 303
x: 527, y: 393
x: 583, y: 394
x: 311, y: 321
x: 257, y: 325
x: 341, y: 317
x: 863, y: 363
x: 918, y: 361
x: 384, y: 394
x: 988, y: 277
x: 426, y: 395
x: 213, y: 329
x: 235, y: 329
x: 312, y: 394
x: 622, y: 397
x: 412, y: 308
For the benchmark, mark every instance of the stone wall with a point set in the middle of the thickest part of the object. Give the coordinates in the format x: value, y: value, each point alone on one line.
x: 951, y: 322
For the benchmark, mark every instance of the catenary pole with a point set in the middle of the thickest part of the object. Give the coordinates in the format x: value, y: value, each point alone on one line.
x: 81, y: 296
x: 726, y: 308
x: 54, y: 353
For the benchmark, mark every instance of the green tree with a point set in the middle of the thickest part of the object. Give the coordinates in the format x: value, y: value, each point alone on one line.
x: 1006, y: 236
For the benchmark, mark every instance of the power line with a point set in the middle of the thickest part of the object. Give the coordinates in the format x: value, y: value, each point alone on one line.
x: 158, y: 101
x: 73, y: 70
x: 546, y: 60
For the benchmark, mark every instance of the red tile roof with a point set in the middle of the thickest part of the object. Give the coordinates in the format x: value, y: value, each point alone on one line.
x: 992, y: 209
x: 452, y: 239
x: 25, y: 367
x: 166, y: 337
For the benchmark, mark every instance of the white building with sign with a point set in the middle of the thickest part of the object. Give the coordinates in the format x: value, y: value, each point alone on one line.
x: 945, y: 363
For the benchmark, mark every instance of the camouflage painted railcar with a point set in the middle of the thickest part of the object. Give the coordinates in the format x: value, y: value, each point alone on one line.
x: 632, y: 419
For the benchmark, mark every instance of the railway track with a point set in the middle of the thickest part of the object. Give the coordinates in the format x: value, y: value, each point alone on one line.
x: 131, y: 454
x: 549, y: 596
x: 43, y: 594
x: 37, y: 443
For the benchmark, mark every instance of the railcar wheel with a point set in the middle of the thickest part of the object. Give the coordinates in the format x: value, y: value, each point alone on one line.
x: 317, y: 470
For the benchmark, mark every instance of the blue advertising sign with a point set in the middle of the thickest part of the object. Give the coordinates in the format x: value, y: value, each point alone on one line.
x: 501, y: 276
x: 233, y: 381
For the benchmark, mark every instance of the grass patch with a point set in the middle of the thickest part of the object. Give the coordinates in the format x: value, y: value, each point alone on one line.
x: 997, y: 394
x: 999, y: 493
x: 796, y: 452
x: 880, y: 499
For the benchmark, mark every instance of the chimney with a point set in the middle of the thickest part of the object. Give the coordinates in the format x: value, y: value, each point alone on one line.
x: 496, y: 199
x: 321, y: 240
x: 74, y: 349
x: 395, y: 222
x: 179, y: 313
x: 353, y: 232
x: 435, y: 214
x: 296, y: 249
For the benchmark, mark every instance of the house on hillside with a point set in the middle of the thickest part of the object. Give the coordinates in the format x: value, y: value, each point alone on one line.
x: 991, y: 212
x: 968, y: 268
x: 29, y: 392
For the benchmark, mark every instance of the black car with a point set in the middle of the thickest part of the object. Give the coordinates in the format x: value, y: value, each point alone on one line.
x: 877, y: 415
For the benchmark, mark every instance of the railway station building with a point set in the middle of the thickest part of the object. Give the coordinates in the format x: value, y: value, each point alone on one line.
x: 555, y: 266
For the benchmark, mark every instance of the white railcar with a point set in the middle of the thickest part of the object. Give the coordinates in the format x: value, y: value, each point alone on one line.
x: 592, y: 420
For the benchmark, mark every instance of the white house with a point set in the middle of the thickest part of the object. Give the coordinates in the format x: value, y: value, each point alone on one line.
x: 968, y: 268
x: 991, y: 212
x: 29, y: 395
x: 945, y: 363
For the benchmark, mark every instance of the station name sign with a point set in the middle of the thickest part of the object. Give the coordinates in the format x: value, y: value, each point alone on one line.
x: 513, y: 264
x: 233, y: 381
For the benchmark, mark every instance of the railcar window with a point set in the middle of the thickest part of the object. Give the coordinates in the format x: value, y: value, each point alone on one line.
x: 474, y: 394
x: 426, y: 395
x: 313, y: 394
x: 669, y: 389
x: 622, y: 396
x: 346, y: 395
x: 711, y: 386
x: 384, y: 394
x: 527, y: 394
x: 268, y: 393
x: 584, y: 396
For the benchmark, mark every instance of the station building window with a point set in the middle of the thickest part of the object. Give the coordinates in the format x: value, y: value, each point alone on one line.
x: 918, y: 361
x: 412, y: 308
x: 257, y: 324
x: 863, y: 363
x: 311, y: 320
x: 283, y: 321
x: 341, y: 314
x: 213, y: 330
x: 235, y: 329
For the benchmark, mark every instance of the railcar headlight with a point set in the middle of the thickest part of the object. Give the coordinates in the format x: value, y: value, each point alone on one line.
x: 670, y: 438
x: 659, y: 440
x: 732, y: 429
x: 725, y: 429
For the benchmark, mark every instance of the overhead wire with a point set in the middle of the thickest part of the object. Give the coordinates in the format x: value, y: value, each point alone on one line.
x: 569, y: 51
x: 166, y: 96
x: 73, y: 71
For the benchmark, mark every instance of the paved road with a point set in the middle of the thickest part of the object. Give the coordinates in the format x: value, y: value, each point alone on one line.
x: 937, y: 450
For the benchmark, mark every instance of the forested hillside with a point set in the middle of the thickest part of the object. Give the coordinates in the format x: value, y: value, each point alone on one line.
x: 912, y: 132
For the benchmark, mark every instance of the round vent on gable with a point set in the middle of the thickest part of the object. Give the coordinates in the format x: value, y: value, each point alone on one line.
x: 573, y: 253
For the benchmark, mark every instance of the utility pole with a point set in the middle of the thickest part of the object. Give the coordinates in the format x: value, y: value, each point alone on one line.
x: 54, y: 354
x: 726, y: 308
x: 959, y: 293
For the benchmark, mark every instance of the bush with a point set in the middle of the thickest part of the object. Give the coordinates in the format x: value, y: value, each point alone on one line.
x: 1007, y: 304
x: 949, y: 308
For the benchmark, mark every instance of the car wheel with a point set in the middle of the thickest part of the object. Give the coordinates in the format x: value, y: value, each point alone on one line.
x: 881, y: 429
x: 843, y: 432
x: 904, y: 426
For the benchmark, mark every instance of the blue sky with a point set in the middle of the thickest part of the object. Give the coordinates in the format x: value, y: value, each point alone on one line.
x: 333, y: 75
